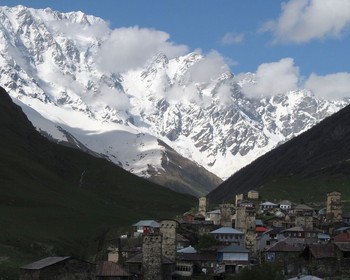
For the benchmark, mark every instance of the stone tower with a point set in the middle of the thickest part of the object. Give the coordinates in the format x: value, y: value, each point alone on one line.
x: 245, y: 222
x: 240, y: 219
x: 203, y: 205
x: 168, y: 231
x: 250, y: 233
x: 152, y: 256
x: 226, y: 210
x: 304, y: 221
x: 334, y: 209
x: 239, y: 197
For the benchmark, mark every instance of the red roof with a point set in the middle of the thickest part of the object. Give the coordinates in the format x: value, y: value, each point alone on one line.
x: 106, y: 268
x: 261, y: 229
x: 343, y: 237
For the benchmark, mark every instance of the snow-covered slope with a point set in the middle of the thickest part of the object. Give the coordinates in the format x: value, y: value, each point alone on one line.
x: 50, y: 63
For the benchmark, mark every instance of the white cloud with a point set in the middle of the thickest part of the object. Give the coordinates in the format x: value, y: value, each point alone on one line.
x: 304, y: 20
x: 273, y: 78
x: 208, y: 68
x: 184, y: 95
x: 232, y: 38
x: 224, y: 93
x: 331, y: 86
x: 129, y: 48
x: 114, y: 98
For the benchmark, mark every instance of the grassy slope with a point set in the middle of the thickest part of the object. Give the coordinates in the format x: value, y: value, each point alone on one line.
x: 44, y: 208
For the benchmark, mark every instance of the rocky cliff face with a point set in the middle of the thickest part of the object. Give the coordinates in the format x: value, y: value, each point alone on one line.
x: 50, y: 64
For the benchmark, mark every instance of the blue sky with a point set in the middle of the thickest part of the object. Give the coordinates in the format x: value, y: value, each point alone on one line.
x: 308, y: 38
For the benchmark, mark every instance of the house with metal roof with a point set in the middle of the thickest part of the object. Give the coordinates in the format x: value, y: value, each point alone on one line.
x: 213, y: 216
x: 145, y: 227
x: 228, y: 235
x: 58, y: 268
x: 233, y: 258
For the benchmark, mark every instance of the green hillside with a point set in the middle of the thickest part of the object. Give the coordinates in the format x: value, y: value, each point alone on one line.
x: 58, y: 200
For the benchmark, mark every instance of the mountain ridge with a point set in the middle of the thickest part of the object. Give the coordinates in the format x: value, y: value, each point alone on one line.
x: 322, y: 151
x: 198, y: 111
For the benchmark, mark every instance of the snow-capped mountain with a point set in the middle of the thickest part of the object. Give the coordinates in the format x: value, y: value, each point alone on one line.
x: 50, y: 64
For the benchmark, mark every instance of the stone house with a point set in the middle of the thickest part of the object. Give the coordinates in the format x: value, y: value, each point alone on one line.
x: 285, y: 255
x: 214, y: 216
x: 190, y: 263
x: 303, y: 209
x: 136, y: 268
x: 67, y: 268
x: 322, y: 260
x: 253, y: 194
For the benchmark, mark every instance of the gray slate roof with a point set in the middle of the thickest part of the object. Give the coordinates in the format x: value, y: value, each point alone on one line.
x: 233, y: 249
x: 226, y: 230
x: 44, y: 262
x: 187, y: 250
x: 147, y: 223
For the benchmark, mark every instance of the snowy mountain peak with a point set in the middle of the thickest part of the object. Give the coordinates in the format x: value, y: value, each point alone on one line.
x: 51, y: 64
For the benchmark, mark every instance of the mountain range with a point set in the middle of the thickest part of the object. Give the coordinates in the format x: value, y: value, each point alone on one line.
x: 306, y: 167
x: 174, y: 121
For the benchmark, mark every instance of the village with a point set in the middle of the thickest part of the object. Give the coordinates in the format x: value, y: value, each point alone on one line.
x: 220, y: 242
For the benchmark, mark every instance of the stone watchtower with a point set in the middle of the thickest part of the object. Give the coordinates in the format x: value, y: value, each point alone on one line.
x: 168, y: 231
x: 245, y: 222
x: 334, y: 209
x: 152, y: 256
x: 203, y: 204
x: 250, y: 233
x: 226, y: 210
x: 239, y: 197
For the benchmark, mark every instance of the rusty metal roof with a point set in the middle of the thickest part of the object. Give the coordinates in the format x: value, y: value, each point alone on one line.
x: 44, y: 262
x: 320, y: 251
x: 282, y: 246
x: 345, y: 247
x: 107, y: 268
x: 343, y: 237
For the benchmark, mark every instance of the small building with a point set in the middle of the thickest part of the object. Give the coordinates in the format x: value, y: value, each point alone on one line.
x: 234, y: 258
x: 267, y: 206
x: 252, y: 194
x: 214, y: 216
x: 58, y: 268
x: 267, y: 239
x: 145, y: 227
x: 228, y: 235
x: 303, y: 209
x: 189, y: 263
x: 181, y: 241
x: 111, y: 271
x: 285, y: 205
x: 136, y: 268
x: 285, y: 255
x: 299, y: 235
x: 322, y: 259
x: 245, y: 203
